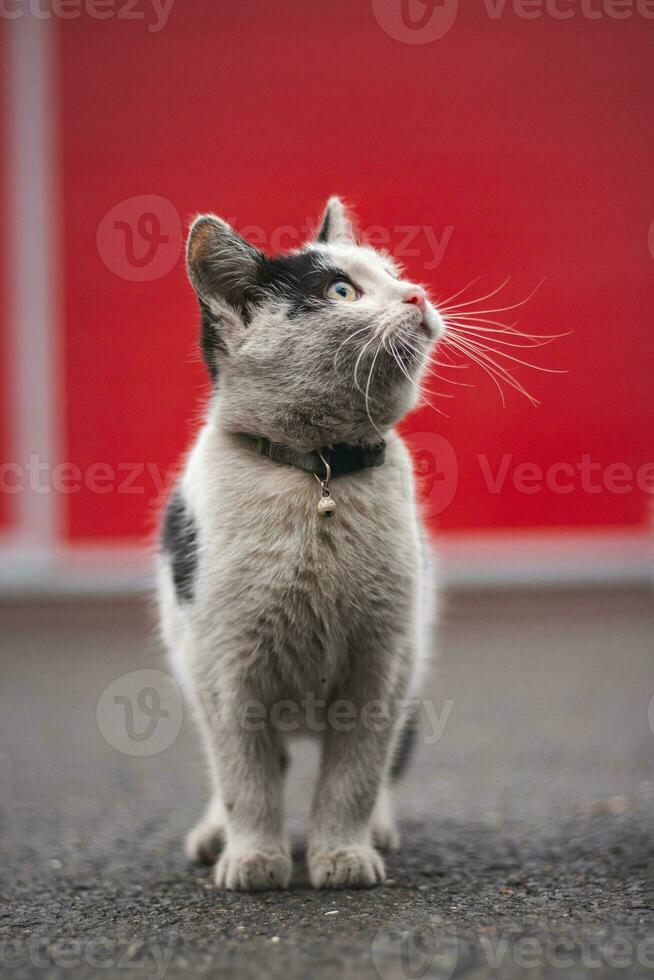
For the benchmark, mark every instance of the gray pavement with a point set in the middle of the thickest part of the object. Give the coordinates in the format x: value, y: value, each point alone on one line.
x: 528, y: 844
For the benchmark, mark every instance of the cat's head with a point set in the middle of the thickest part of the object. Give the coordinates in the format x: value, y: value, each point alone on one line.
x: 323, y: 345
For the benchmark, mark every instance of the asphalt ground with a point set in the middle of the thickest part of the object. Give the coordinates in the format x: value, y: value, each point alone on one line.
x: 528, y: 844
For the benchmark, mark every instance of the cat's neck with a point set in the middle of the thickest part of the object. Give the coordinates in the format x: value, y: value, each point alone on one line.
x: 295, y: 431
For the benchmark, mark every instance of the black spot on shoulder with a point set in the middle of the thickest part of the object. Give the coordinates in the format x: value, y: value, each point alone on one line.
x: 300, y: 279
x: 179, y: 541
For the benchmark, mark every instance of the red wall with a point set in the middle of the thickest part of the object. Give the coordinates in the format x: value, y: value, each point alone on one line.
x: 5, y: 499
x: 532, y: 139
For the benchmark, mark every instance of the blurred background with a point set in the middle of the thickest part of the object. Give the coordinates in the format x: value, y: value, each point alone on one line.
x: 480, y: 143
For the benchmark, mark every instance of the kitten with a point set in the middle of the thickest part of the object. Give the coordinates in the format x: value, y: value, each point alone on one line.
x: 292, y: 582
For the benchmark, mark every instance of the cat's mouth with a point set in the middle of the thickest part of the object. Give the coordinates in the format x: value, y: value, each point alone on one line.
x: 431, y: 324
x: 420, y: 328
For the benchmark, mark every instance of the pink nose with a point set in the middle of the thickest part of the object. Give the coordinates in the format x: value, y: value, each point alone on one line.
x: 417, y: 296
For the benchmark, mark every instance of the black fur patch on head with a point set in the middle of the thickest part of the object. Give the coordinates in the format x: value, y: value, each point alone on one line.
x: 179, y: 542
x: 299, y: 279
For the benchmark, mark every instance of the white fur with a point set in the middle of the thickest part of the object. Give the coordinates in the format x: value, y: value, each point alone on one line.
x: 288, y: 604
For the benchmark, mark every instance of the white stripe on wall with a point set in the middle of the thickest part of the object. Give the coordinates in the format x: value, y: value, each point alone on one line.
x: 32, y: 258
x: 498, y: 560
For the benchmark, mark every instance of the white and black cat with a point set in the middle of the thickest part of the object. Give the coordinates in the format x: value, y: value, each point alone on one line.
x: 291, y: 568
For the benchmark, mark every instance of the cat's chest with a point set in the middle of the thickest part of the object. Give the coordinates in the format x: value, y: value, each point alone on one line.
x: 296, y: 597
x: 276, y: 576
x: 287, y: 545
x: 271, y: 547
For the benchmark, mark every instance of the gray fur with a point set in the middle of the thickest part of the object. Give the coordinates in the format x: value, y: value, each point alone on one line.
x: 289, y: 607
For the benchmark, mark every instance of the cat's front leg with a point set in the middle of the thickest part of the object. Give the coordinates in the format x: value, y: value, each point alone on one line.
x: 353, y: 770
x: 249, y: 759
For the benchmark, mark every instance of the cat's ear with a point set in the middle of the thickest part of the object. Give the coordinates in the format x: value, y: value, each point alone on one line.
x: 221, y: 265
x: 336, y: 227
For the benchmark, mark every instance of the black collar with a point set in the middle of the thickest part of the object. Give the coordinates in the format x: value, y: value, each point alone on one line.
x: 342, y: 459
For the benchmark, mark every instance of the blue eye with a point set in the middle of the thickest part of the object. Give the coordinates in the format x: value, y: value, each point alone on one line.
x: 342, y: 291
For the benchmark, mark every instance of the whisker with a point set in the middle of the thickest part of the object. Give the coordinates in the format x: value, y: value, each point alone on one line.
x: 427, y: 373
x: 398, y: 361
x: 481, y: 364
x: 537, y: 367
x: 441, y: 303
x: 474, y: 332
x: 464, y: 319
x: 428, y: 365
x: 484, y: 360
x: 480, y: 299
x: 501, y: 309
x: 450, y: 365
x: 372, y: 368
x: 347, y: 340
x: 358, y: 361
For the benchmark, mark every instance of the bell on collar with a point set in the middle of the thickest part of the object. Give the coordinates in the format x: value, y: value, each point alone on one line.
x: 326, y: 504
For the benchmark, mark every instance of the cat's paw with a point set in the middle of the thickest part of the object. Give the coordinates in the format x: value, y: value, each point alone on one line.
x: 204, y: 843
x: 253, y: 870
x: 356, y: 866
x: 385, y: 834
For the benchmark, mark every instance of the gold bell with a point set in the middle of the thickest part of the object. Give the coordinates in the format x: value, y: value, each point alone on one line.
x: 326, y: 505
